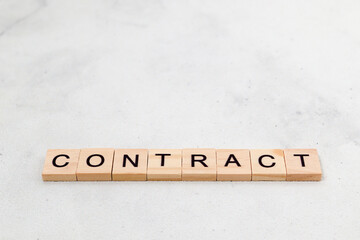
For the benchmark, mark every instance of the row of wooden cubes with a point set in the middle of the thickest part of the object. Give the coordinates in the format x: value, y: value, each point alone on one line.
x: 103, y: 164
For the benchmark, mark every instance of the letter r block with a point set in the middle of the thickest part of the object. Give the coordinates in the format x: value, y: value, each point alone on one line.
x: 302, y: 165
x: 61, y: 165
x: 199, y: 165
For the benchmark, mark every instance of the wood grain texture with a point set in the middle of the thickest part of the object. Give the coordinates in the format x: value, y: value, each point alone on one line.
x: 95, y: 164
x: 106, y: 164
x: 268, y: 165
x: 302, y: 165
x: 130, y: 165
x: 193, y: 168
x: 164, y: 165
x: 233, y: 165
x: 60, y: 165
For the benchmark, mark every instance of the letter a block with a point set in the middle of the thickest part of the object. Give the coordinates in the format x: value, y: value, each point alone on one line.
x: 95, y: 164
x: 302, y: 165
x: 199, y: 165
x: 164, y: 165
x: 61, y: 165
x: 233, y: 165
x: 130, y: 165
x: 268, y: 165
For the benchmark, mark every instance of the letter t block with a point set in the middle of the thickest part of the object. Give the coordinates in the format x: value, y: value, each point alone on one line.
x: 302, y: 165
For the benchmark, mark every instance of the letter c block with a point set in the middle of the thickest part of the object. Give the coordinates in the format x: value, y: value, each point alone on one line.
x: 268, y: 165
x: 61, y: 165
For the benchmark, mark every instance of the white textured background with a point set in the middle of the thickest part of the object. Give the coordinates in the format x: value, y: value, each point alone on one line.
x: 176, y: 74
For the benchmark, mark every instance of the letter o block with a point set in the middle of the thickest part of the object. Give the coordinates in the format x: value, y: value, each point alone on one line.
x: 95, y: 164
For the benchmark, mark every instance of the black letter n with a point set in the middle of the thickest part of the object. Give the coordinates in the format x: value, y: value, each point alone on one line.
x: 135, y: 164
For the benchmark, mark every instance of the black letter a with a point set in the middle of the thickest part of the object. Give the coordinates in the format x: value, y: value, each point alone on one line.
x: 228, y: 161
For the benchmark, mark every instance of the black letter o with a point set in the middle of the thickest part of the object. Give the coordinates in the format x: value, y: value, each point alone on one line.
x: 95, y: 155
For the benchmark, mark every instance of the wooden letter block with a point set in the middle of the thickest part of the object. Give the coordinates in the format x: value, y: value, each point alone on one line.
x: 164, y: 165
x: 95, y: 164
x: 130, y: 165
x: 61, y: 165
x: 233, y: 165
x: 199, y: 165
x: 268, y: 165
x: 302, y: 165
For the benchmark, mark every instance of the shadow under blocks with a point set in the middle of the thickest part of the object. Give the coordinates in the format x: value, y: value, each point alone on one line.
x: 198, y: 164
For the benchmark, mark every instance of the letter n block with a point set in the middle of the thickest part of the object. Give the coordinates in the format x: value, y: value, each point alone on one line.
x: 268, y: 165
x: 95, y: 164
x: 130, y: 165
x: 61, y: 165
x: 199, y: 165
x: 302, y: 165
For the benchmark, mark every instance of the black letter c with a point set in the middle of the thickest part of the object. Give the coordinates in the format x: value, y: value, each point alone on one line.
x: 61, y: 155
x: 266, y: 166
